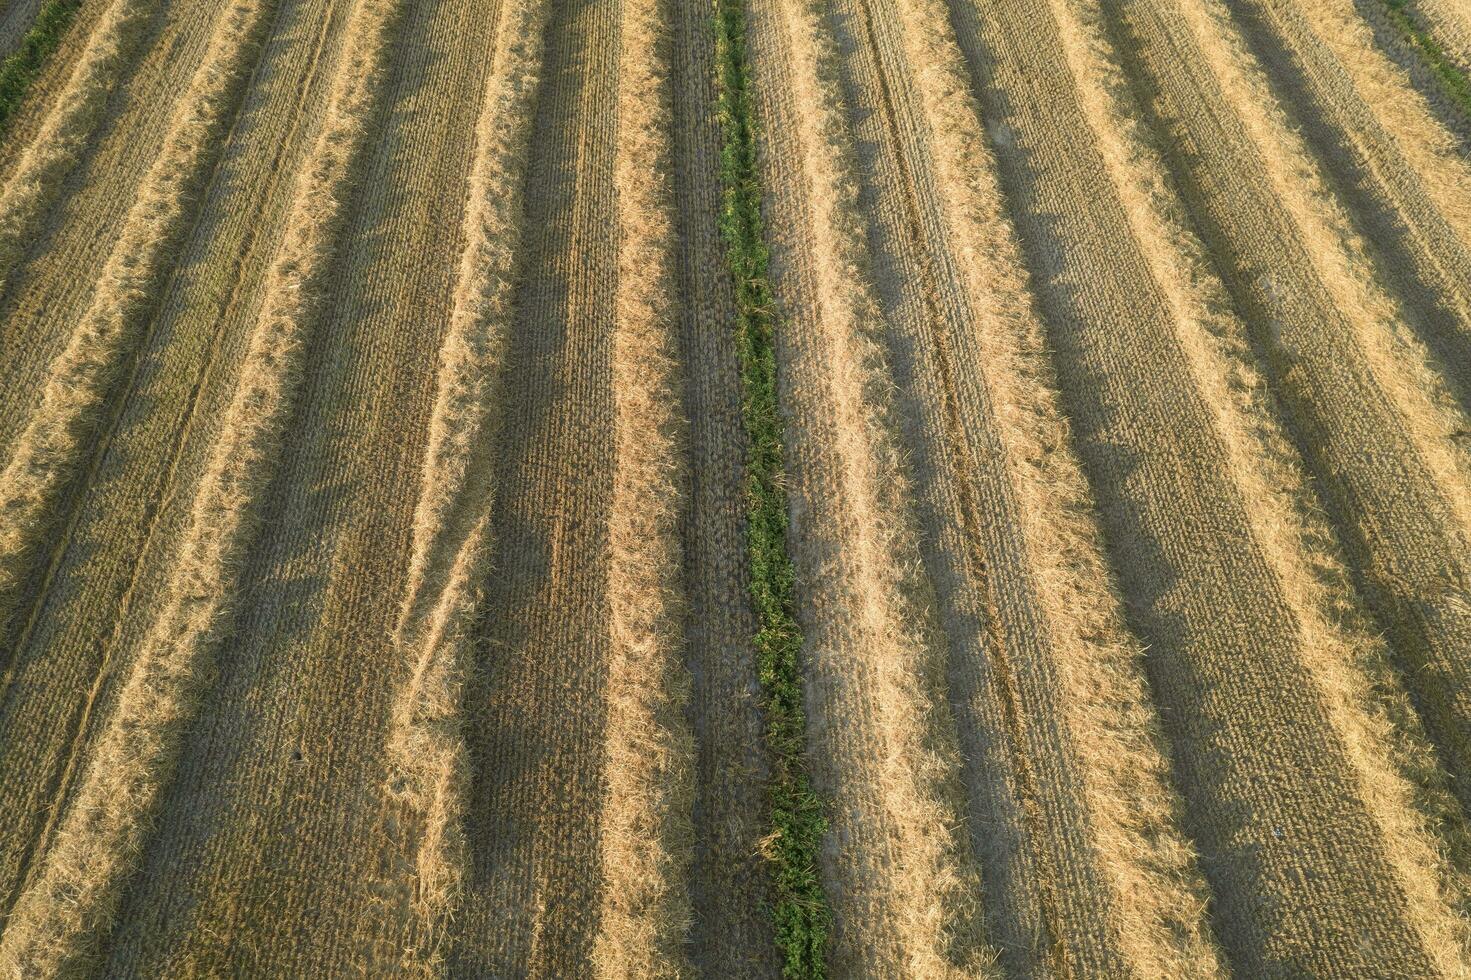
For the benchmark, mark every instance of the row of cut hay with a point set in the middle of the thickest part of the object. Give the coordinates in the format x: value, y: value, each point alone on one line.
x: 21, y: 67
x: 1439, y: 32
x: 451, y: 541
x: 1158, y: 898
x: 1414, y: 132
x: 61, y: 918
x: 1421, y: 596
x: 801, y: 917
x: 1345, y: 265
x: 64, y: 135
x: 1404, y: 790
x: 647, y: 839
x: 1414, y: 162
x: 55, y: 443
x: 905, y: 901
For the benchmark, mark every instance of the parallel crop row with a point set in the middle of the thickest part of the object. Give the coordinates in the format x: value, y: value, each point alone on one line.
x: 18, y: 71
x: 59, y: 921
x: 801, y: 913
x: 1457, y: 86
x: 1101, y: 488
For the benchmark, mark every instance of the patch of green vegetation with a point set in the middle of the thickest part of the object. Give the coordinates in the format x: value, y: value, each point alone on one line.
x: 800, y: 912
x: 25, y: 63
x: 1454, y: 81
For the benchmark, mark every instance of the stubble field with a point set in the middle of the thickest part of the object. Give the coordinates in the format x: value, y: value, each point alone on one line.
x: 623, y: 488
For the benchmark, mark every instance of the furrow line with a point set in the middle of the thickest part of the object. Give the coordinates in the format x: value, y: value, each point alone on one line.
x: 1311, y: 290
x: 60, y: 921
x: 53, y: 281
x: 1344, y: 264
x: 1055, y: 935
x: 647, y: 839
x: 731, y: 890
x: 1382, y: 91
x: 1046, y: 898
x: 58, y: 439
x: 1298, y: 880
x: 303, y: 706
x: 1158, y: 900
x: 128, y: 291
x: 60, y: 141
x: 1439, y: 36
x: 66, y: 659
x: 452, y: 519
x: 26, y: 54
x: 538, y: 741
x: 1401, y: 172
x: 801, y: 914
x: 903, y: 881
x: 1405, y: 791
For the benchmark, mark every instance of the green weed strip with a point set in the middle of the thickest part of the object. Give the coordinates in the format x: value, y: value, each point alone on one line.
x: 800, y: 910
x: 21, y: 67
x: 1452, y: 80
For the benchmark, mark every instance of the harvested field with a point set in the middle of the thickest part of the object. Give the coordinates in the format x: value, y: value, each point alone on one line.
x: 619, y: 488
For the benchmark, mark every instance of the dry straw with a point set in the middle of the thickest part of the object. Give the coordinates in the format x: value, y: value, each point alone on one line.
x: 451, y: 543
x: 55, y: 443
x: 59, y: 922
x: 647, y: 841
x: 1158, y: 898
x: 907, y: 903
x: 1343, y: 263
x: 1368, y: 711
x: 65, y: 133
x: 1414, y: 161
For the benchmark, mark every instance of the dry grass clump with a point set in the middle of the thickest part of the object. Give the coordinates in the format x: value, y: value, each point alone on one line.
x: 32, y: 53
x: 428, y: 765
x: 908, y: 905
x: 66, y: 131
x: 647, y: 841
x: 60, y: 919
x: 1343, y: 262
x: 1368, y: 711
x: 1415, y: 134
x: 1413, y: 163
x: 55, y: 442
x: 1158, y: 899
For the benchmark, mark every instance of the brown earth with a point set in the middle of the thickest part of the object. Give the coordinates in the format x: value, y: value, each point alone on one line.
x: 374, y: 583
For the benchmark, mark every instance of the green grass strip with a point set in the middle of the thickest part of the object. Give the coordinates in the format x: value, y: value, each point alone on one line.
x: 23, y: 65
x: 800, y: 910
x: 1451, y: 78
